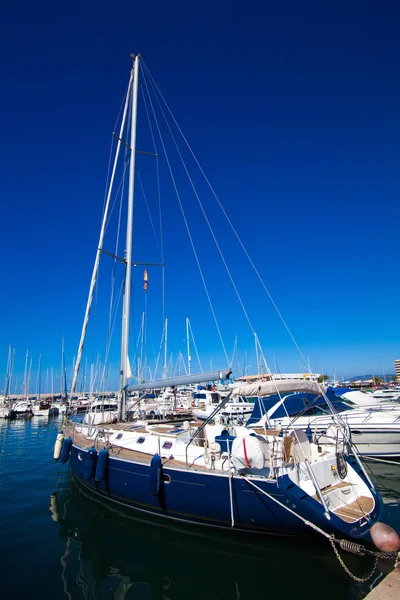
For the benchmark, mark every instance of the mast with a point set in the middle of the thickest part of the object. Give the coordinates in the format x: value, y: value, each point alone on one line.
x: 29, y: 376
x: 128, y: 256
x: 141, y: 370
x: 24, y: 389
x: 38, y: 378
x: 83, y: 383
x: 188, y: 344
x: 257, y: 359
x: 12, y: 370
x: 91, y: 380
x: 165, y: 349
x: 7, y: 380
x: 63, y: 373
x: 237, y: 358
x: 100, y: 244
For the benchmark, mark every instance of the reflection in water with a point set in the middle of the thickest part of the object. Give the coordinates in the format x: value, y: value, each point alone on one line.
x: 387, y: 477
x: 108, y: 554
x: 83, y: 550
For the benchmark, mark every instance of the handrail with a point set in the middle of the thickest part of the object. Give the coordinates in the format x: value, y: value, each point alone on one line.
x: 317, y: 489
x: 202, y: 426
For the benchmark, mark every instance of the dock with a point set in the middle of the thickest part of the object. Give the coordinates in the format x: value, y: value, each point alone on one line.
x: 388, y: 589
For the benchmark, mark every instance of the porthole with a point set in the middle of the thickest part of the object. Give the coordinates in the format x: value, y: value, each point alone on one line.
x: 166, y: 478
x: 140, y: 440
x: 167, y: 445
x: 80, y: 457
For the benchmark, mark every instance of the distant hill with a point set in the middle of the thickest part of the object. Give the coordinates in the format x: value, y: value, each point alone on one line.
x: 388, y: 377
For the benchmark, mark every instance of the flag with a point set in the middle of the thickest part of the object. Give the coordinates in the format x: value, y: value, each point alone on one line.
x: 145, y: 280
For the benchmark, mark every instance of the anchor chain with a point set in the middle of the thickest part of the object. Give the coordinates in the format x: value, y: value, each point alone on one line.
x: 358, y: 579
x: 344, y: 544
x: 362, y: 551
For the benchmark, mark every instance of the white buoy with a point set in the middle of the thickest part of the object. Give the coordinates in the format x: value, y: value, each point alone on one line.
x: 385, y: 537
x: 58, y: 446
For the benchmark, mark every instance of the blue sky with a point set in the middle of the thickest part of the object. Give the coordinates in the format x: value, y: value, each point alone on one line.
x: 293, y: 112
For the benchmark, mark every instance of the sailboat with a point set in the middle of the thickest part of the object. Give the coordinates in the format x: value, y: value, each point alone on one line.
x: 40, y: 408
x: 5, y: 405
x: 215, y: 474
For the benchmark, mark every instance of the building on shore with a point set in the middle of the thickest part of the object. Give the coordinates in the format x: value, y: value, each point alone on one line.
x: 397, y: 369
x: 278, y: 376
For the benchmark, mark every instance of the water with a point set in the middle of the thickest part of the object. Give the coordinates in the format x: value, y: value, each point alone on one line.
x: 58, y: 542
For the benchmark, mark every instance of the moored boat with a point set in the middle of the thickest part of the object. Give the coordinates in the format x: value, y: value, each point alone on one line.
x: 41, y: 409
x: 221, y: 475
x: 374, y: 429
x: 206, y: 402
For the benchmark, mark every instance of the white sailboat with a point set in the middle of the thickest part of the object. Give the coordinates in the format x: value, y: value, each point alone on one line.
x: 40, y: 408
x: 5, y: 403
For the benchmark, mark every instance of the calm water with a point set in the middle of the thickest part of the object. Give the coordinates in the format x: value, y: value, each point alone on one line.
x: 57, y: 542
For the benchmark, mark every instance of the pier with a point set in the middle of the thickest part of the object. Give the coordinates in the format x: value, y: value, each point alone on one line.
x: 388, y: 589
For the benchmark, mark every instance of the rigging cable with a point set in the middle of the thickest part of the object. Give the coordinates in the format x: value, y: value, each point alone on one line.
x: 227, y: 217
x: 148, y: 210
x: 186, y: 223
x: 195, y: 347
x: 111, y: 148
x: 159, y: 204
x: 206, y: 218
x: 112, y: 307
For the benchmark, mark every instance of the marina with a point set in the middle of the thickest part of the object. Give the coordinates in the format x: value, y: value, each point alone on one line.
x: 89, y: 550
x: 199, y: 339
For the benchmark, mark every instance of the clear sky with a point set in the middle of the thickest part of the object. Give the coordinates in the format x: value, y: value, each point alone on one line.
x: 293, y: 111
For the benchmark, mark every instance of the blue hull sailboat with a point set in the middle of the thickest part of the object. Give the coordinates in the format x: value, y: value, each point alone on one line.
x: 215, y: 473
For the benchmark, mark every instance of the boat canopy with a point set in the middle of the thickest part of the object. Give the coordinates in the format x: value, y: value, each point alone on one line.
x: 280, y: 386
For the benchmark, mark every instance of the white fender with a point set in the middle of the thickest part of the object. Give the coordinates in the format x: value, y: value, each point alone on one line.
x: 58, y: 446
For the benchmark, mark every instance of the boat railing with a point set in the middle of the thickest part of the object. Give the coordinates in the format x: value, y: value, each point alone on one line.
x: 317, y: 488
x: 201, y: 427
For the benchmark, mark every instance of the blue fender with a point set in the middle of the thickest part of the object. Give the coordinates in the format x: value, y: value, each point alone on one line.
x: 102, y: 465
x: 65, y: 450
x: 90, y: 463
x: 155, y: 474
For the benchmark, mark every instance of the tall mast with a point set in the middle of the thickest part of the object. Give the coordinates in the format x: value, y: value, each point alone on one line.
x: 12, y: 370
x: 7, y: 380
x: 63, y: 382
x: 29, y: 376
x: 100, y: 244
x: 165, y: 349
x: 24, y: 386
x: 257, y: 359
x: 128, y: 257
x: 188, y: 344
x: 38, y: 378
x: 141, y: 370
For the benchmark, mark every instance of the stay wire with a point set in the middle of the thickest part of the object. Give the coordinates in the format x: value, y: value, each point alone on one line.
x: 229, y: 221
x: 195, y: 347
x: 148, y: 209
x: 159, y: 201
x: 207, y: 220
x: 111, y: 145
x: 186, y: 222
